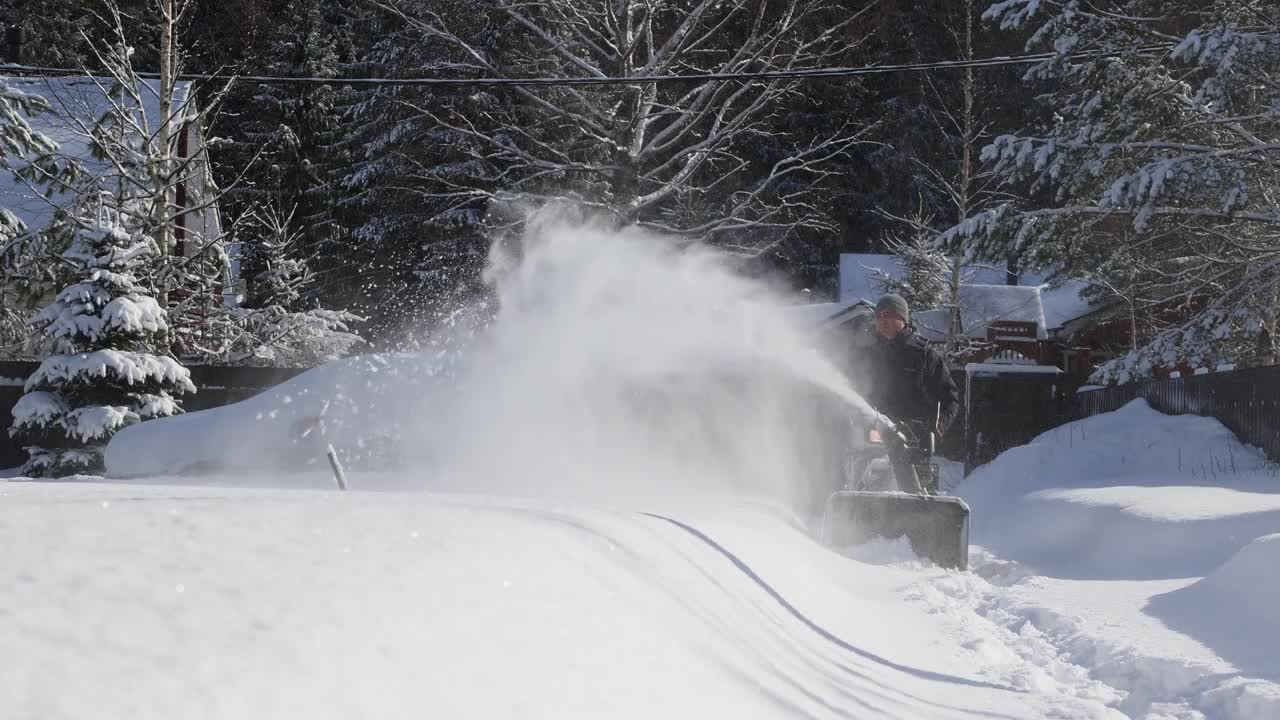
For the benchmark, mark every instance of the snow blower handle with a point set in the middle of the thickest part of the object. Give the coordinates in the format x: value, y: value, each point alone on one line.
x: 936, y: 431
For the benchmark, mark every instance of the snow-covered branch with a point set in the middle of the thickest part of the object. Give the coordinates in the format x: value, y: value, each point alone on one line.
x: 642, y: 151
x: 1155, y: 173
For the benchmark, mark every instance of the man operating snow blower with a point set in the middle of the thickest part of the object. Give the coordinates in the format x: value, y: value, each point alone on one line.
x: 909, y: 383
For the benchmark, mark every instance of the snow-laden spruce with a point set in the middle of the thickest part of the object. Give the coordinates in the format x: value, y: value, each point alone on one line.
x: 276, y: 324
x: 1154, y: 171
x: 104, y: 328
x: 28, y: 151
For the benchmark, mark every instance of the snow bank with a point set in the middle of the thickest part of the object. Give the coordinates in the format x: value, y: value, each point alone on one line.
x: 1143, y: 546
x: 1133, y: 494
x: 1106, y: 626
x: 358, y: 404
x: 1235, y: 609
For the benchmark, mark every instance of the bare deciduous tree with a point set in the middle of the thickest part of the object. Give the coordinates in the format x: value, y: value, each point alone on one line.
x: 699, y: 158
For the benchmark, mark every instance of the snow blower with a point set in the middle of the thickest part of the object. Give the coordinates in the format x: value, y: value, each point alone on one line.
x: 872, y: 503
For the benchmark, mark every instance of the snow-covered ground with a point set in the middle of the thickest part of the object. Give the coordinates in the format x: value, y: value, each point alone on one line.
x: 1110, y: 579
x: 1144, y: 547
x: 155, y: 601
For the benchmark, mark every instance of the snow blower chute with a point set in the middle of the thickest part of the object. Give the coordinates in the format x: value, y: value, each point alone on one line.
x: 873, y: 504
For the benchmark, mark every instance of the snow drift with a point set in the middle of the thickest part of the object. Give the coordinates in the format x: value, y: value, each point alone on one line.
x: 1143, y: 545
x: 1234, y: 609
x: 1133, y: 494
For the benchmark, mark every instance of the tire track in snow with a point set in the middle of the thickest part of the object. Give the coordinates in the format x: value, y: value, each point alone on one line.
x: 810, y: 679
x: 1070, y: 694
x: 747, y: 628
x: 825, y: 634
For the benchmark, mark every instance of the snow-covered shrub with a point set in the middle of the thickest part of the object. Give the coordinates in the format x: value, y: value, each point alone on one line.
x: 104, y: 327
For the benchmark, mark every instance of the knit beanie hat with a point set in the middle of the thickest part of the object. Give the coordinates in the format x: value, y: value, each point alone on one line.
x: 894, y: 302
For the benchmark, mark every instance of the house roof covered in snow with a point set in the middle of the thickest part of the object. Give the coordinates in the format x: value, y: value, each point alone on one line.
x: 861, y: 275
x: 982, y: 305
x: 1065, y: 303
x: 820, y: 315
x: 76, y: 104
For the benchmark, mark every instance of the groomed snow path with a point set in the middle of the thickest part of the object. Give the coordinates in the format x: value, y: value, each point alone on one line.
x: 152, y: 601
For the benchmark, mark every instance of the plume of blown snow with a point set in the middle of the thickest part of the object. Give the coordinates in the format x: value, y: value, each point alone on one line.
x: 623, y: 366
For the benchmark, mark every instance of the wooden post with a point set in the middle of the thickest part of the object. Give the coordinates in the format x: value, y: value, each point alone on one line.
x: 338, y: 474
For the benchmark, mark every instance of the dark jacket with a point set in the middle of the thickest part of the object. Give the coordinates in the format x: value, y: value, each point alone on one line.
x: 906, y: 379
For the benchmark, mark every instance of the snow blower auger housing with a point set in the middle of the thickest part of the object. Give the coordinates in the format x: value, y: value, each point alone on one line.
x: 871, y: 504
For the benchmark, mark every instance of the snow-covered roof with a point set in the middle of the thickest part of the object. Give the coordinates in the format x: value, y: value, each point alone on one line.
x: 982, y: 305
x: 1064, y: 303
x: 813, y: 315
x: 76, y: 105
x: 860, y: 275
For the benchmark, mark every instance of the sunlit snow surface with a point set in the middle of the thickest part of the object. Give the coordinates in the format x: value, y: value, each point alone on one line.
x: 146, y: 601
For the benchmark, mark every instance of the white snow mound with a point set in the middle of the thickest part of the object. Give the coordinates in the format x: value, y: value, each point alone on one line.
x: 1144, y: 547
x: 1234, y: 608
x: 1133, y: 494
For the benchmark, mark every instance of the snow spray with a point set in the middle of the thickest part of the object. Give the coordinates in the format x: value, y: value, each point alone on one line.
x: 611, y: 366
x: 626, y: 366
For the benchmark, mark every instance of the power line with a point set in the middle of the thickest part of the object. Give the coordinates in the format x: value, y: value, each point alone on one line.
x: 797, y: 74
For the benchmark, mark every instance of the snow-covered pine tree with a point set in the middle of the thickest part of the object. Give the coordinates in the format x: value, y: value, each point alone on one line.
x: 296, y: 129
x: 105, y: 373
x: 1155, y: 168
x: 276, y: 326
x: 926, y: 281
x: 24, y: 152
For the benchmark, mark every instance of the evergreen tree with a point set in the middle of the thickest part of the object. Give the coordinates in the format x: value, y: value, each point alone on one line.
x: 295, y: 128
x: 412, y: 197
x: 1155, y: 170
x: 54, y: 32
x: 25, y: 153
x: 926, y: 281
x: 931, y: 124
x: 275, y: 328
x: 105, y: 373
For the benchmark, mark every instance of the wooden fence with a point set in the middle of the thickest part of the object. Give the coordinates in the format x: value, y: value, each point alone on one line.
x: 1000, y: 411
x: 1246, y: 401
x: 1011, y: 410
